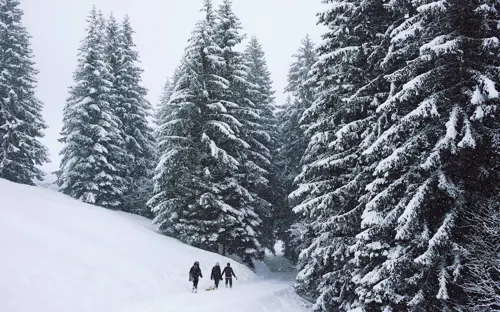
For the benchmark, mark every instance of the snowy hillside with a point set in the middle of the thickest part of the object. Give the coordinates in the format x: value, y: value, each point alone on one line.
x: 62, y: 255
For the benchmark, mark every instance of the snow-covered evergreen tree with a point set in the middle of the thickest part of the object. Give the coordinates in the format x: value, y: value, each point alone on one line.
x: 178, y: 180
x: 260, y: 131
x: 227, y: 28
x: 434, y: 149
x: 133, y: 111
x: 198, y: 196
x: 339, y: 124
x: 91, y: 131
x: 162, y: 109
x: 112, y: 54
x: 293, y: 140
x: 21, y: 122
x: 249, y: 99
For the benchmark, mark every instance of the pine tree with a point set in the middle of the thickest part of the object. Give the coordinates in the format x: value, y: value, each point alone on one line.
x: 198, y: 197
x: 178, y: 180
x: 339, y: 124
x: 227, y: 28
x: 239, y: 105
x: 91, y: 134
x: 162, y: 109
x: 21, y: 122
x: 112, y: 55
x: 260, y: 131
x: 293, y: 140
x: 434, y: 152
x: 133, y: 110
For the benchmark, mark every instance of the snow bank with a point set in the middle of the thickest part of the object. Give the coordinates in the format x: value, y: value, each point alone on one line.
x: 60, y: 255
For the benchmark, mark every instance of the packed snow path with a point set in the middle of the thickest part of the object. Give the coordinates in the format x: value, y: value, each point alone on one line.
x: 61, y: 255
x: 265, y: 295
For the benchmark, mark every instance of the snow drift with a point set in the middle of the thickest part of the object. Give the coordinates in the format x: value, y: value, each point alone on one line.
x: 58, y: 255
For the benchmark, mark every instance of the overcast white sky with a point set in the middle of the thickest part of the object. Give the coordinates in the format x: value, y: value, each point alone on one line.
x: 162, y: 29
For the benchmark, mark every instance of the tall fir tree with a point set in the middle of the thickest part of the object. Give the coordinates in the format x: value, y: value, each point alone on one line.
x: 293, y: 140
x: 178, y: 180
x: 133, y: 111
x: 91, y: 131
x: 21, y: 122
x: 198, y: 196
x: 162, y: 109
x: 251, y: 173
x: 260, y: 131
x: 112, y: 55
x: 434, y: 153
x: 339, y: 123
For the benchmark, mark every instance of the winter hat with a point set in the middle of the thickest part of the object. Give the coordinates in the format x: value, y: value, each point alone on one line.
x: 228, y: 264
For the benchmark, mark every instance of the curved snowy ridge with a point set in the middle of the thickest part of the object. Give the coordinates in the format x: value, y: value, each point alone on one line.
x: 61, y: 255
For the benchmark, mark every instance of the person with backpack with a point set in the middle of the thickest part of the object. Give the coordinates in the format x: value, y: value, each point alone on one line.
x: 229, y: 273
x: 216, y: 275
x: 194, y: 275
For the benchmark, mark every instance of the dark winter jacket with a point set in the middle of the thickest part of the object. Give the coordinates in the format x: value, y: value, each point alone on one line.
x: 195, y: 272
x: 228, y: 271
x: 216, y: 274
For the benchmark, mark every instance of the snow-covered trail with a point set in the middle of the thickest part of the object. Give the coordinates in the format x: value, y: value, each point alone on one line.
x: 269, y: 294
x: 61, y: 255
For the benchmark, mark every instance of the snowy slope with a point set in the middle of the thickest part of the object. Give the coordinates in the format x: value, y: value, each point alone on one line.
x: 59, y: 255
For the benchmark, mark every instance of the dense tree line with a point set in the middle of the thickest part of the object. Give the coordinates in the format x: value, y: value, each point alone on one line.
x: 402, y: 161
x: 216, y: 136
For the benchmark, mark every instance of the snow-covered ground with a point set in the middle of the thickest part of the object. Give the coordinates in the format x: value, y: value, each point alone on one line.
x: 60, y: 255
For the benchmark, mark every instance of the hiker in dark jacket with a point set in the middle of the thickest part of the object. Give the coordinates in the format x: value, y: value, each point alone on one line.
x: 216, y: 275
x: 228, y: 273
x: 195, y: 274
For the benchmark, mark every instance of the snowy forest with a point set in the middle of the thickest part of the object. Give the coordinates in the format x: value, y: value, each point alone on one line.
x: 380, y: 173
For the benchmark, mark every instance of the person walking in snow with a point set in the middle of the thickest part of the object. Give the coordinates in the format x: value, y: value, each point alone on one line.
x: 229, y: 273
x: 216, y: 275
x: 194, y: 275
